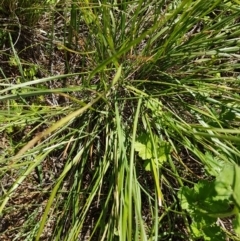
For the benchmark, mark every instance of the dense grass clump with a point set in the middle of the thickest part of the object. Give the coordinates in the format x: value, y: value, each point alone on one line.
x: 119, y: 120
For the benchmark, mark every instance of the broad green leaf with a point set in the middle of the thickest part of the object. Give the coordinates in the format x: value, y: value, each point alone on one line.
x: 206, y: 227
x: 236, y: 224
x: 145, y: 148
x: 155, y: 106
x: 213, y: 233
x: 147, y: 165
x: 201, y: 192
x: 237, y: 1
x: 214, y: 165
x: 204, y: 210
x: 196, y: 231
x: 203, y: 199
x: 163, y: 151
x: 236, y: 185
x: 229, y: 116
x: 224, y: 182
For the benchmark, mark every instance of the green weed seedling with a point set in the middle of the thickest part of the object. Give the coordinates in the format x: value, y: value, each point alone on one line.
x: 155, y: 150
x: 208, y: 202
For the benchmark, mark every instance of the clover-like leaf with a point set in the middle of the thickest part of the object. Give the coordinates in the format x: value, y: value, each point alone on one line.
x: 144, y: 147
x: 152, y: 149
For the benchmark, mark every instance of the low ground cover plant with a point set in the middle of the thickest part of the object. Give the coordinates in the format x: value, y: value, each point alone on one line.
x: 119, y: 120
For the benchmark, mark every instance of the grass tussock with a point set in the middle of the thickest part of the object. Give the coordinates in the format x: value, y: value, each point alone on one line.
x: 115, y: 116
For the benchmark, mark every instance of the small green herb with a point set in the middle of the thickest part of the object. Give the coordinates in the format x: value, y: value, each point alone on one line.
x: 208, y: 201
x: 145, y: 148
